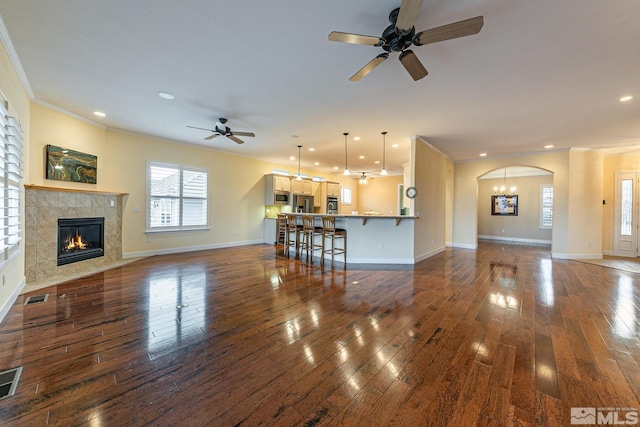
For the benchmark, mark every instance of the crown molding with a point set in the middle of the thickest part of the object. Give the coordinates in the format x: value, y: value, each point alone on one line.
x: 15, y: 60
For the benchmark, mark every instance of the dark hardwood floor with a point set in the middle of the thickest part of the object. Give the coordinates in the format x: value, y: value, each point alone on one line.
x: 244, y: 336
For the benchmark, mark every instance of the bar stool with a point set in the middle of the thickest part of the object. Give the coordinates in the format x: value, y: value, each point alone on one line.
x: 309, y: 233
x: 329, y: 231
x: 281, y: 230
x: 293, y: 229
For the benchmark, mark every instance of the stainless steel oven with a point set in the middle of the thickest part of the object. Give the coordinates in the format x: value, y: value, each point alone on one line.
x: 332, y: 205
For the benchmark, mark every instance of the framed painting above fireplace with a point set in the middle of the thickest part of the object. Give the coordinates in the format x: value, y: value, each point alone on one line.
x: 63, y: 164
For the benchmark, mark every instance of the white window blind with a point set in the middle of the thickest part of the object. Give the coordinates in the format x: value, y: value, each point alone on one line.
x: 546, y: 206
x: 346, y: 195
x: 10, y: 176
x: 178, y: 197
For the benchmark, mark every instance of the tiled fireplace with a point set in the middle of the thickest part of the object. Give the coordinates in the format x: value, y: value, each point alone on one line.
x: 44, y: 206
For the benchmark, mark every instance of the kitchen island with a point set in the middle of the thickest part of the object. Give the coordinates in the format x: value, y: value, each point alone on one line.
x: 371, y: 239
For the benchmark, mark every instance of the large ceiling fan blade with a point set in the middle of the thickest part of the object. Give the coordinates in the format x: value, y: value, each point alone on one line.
x: 215, y: 135
x: 407, y: 15
x: 413, y: 65
x: 193, y: 127
x: 336, y: 36
x: 234, y: 139
x: 233, y: 132
x: 369, y: 67
x: 468, y: 27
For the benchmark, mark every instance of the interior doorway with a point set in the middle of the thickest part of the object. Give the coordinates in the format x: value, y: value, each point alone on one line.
x: 625, y: 222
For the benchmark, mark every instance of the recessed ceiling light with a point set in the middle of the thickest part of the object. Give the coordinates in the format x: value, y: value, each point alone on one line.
x: 548, y: 146
x: 377, y: 162
x: 292, y: 158
x: 99, y: 114
x: 626, y: 98
x: 395, y: 145
x: 362, y: 157
x: 483, y: 154
x: 356, y: 138
x: 166, y: 95
x: 312, y: 149
x: 336, y: 168
x: 316, y: 163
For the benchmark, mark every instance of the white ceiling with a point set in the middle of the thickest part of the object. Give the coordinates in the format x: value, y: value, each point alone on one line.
x: 539, y: 72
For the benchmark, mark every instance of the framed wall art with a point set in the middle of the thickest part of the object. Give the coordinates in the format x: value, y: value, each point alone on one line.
x: 504, y: 205
x: 63, y: 164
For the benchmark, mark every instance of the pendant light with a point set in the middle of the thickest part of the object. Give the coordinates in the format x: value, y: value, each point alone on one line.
x: 384, y: 153
x: 346, y: 169
x: 299, y: 178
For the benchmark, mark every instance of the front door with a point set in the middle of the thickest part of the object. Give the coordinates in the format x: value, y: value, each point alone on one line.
x: 626, y: 215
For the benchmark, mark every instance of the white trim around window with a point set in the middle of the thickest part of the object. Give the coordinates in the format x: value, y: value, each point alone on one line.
x: 346, y: 195
x: 546, y: 206
x: 10, y: 183
x: 177, y: 197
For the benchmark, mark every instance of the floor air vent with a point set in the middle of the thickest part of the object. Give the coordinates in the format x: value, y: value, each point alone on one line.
x: 35, y: 299
x: 9, y: 382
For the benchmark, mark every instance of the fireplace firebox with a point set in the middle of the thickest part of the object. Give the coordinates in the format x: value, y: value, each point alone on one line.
x: 80, y: 239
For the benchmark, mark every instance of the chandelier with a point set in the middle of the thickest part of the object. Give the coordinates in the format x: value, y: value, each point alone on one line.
x: 502, y: 190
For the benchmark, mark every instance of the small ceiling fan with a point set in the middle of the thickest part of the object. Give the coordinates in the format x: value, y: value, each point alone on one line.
x: 222, y: 129
x: 401, y: 34
x: 363, y: 178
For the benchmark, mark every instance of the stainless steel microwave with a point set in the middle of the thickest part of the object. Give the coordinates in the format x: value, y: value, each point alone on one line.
x: 281, y: 198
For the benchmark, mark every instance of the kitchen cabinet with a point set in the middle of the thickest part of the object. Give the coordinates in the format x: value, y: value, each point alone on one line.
x: 316, y: 190
x: 302, y: 187
x: 281, y: 183
x: 333, y: 189
x: 276, y: 189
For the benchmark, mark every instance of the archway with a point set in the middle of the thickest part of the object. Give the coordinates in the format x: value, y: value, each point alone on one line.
x: 515, y: 204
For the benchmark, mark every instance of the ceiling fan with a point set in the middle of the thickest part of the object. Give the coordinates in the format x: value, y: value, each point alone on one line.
x: 222, y: 129
x: 363, y: 178
x: 401, y: 34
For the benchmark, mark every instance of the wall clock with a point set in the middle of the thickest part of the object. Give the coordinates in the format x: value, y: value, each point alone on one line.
x: 411, y: 192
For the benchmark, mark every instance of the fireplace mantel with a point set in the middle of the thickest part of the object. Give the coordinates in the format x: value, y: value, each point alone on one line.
x: 73, y: 190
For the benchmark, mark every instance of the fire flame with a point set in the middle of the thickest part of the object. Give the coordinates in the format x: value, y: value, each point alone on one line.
x: 76, y: 242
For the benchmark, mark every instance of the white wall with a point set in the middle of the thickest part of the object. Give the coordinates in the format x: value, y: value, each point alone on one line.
x: 430, y: 172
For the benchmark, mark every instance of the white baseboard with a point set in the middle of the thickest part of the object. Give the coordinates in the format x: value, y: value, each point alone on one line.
x: 464, y: 245
x: 188, y: 249
x: 380, y: 261
x: 12, y: 299
x: 430, y: 254
x: 516, y: 240
x: 608, y: 253
x: 575, y: 256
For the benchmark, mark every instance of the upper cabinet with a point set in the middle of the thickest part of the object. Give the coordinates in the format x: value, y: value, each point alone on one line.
x: 281, y: 183
x: 302, y: 187
x: 333, y: 189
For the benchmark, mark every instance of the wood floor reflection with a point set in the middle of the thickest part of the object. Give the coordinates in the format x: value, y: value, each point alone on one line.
x: 245, y: 336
